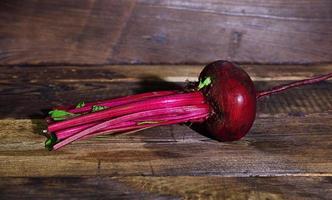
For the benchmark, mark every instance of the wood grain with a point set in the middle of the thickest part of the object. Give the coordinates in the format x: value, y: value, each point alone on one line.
x: 237, y: 188
x: 71, y: 188
x: 179, y: 187
x: 190, y: 31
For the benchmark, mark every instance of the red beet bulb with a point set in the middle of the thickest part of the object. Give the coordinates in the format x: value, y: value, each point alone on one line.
x: 232, y: 97
x: 222, y: 105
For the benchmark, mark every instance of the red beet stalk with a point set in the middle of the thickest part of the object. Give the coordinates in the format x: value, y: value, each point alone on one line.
x: 192, y: 117
x: 152, y: 103
x: 195, y: 112
x: 82, y: 107
x: 169, y: 108
x: 148, y: 120
x: 119, y: 101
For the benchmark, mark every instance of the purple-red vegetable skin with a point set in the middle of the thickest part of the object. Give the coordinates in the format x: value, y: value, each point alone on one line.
x: 222, y: 105
x: 232, y: 98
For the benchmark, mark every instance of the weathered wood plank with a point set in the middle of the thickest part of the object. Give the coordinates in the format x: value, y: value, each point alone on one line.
x: 31, y: 90
x: 276, y: 146
x: 104, y: 32
x: 237, y: 188
x: 71, y: 188
x: 178, y: 187
x: 134, y: 73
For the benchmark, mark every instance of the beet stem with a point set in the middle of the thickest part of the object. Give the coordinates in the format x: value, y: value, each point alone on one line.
x: 182, y: 119
x: 118, y: 101
x: 281, y: 88
x: 169, y: 101
x: 197, y: 110
x: 63, y: 134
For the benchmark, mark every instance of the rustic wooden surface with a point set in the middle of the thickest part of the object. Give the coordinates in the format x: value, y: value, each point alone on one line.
x: 144, y: 31
x: 171, y: 187
x: 286, y: 155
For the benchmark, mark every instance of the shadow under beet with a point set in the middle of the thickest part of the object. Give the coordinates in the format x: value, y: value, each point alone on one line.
x: 155, y: 83
x: 38, y: 125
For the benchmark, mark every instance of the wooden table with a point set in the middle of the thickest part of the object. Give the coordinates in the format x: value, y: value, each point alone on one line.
x: 286, y: 155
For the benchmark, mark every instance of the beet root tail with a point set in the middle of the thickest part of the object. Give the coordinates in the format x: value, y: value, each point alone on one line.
x: 287, y: 86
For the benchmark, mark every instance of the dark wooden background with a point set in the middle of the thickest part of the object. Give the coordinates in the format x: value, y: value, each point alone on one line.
x: 168, y: 32
x: 63, y: 51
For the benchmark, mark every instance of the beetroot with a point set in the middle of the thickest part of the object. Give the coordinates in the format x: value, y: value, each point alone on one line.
x: 222, y: 105
x: 232, y: 97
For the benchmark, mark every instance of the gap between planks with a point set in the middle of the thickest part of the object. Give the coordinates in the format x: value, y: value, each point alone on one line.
x: 169, y: 73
